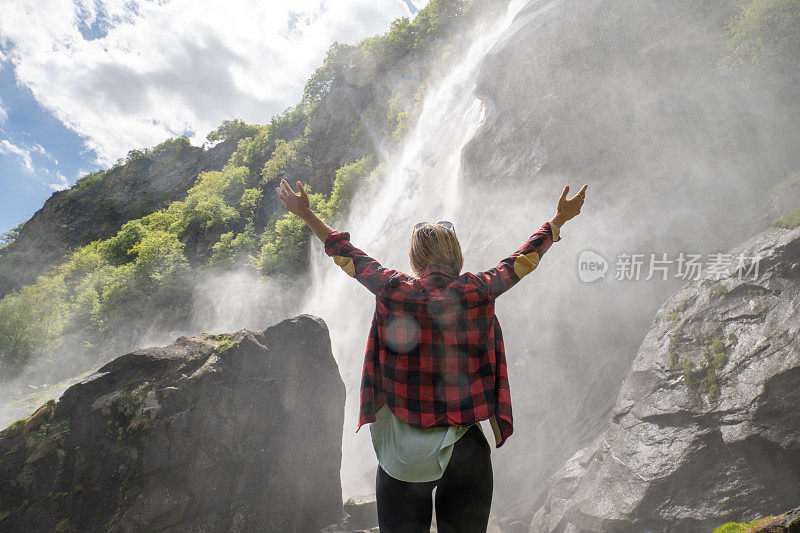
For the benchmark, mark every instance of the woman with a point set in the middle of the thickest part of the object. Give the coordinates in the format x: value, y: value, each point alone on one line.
x: 434, y: 368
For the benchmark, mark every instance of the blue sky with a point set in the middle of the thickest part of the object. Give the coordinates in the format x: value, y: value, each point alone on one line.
x: 84, y: 81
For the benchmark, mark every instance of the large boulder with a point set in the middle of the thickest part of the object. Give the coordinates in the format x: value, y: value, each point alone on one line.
x: 706, y: 428
x: 227, y: 432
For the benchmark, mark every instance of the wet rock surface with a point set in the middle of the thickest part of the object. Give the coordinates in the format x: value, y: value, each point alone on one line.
x: 706, y: 427
x: 227, y: 432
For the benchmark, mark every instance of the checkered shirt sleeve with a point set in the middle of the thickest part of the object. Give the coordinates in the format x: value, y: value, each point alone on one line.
x: 357, y: 264
x: 520, y: 263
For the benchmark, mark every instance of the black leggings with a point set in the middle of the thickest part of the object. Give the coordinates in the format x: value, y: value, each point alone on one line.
x: 463, y: 496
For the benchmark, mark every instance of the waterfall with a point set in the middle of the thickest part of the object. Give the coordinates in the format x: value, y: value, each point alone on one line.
x: 421, y: 182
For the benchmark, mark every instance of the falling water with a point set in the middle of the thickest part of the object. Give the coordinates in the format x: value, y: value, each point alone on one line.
x: 422, y: 182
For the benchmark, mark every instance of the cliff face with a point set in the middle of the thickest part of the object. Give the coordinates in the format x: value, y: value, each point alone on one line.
x: 71, y: 218
x: 230, y: 432
x: 706, y: 427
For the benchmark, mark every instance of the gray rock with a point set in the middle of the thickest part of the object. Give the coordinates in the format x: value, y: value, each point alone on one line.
x: 706, y: 428
x: 228, y: 432
x: 360, y: 515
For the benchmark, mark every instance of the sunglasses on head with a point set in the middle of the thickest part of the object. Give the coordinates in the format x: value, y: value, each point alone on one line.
x: 447, y: 224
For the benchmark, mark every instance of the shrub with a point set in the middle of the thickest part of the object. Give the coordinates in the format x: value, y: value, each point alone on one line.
x: 118, y: 249
x: 108, y: 209
x: 26, y: 476
x: 232, y: 129
x: 89, y: 186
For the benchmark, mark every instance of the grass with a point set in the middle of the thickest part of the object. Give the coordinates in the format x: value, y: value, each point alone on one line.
x: 788, y: 221
x: 704, y: 380
x: 736, y: 527
x: 25, y: 477
x: 46, y: 440
x: 792, y: 219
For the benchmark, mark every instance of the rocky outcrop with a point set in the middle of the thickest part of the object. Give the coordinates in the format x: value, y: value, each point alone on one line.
x: 229, y: 432
x: 788, y: 522
x: 73, y: 217
x: 706, y: 428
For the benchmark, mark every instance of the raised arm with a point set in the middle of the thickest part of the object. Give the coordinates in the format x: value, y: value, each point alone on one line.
x: 352, y: 260
x: 525, y: 259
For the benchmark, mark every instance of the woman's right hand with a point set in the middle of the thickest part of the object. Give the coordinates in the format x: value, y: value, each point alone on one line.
x: 569, y: 208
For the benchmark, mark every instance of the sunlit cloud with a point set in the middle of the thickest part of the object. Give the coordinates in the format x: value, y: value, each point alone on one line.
x: 60, y: 184
x: 7, y: 147
x: 127, y: 74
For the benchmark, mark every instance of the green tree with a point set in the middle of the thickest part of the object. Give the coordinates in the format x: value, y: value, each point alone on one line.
x: 233, y: 129
x: 31, y: 319
x: 766, y: 33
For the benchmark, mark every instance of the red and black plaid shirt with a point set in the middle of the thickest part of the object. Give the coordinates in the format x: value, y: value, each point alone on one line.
x: 435, y: 350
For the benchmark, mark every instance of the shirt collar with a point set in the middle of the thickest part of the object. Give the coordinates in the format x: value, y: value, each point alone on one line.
x: 435, y: 268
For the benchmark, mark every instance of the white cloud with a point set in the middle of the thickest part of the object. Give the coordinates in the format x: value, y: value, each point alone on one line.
x: 7, y: 147
x: 160, y: 69
x: 3, y: 113
x: 61, y: 184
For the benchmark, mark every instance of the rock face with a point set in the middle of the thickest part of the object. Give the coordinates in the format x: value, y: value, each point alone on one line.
x: 788, y: 522
x: 706, y: 428
x: 70, y: 218
x: 229, y: 432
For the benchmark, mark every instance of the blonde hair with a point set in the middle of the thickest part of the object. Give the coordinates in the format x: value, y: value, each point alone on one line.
x: 435, y: 244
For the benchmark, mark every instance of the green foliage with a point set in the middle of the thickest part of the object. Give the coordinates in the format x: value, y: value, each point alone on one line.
x: 710, y: 385
x: 287, y: 162
x: 719, y: 359
x: 26, y: 476
x: 46, y: 440
x: 766, y: 33
x: 349, y: 179
x: 148, y: 203
x: 30, y: 319
x: 232, y: 129
x: 10, y: 236
x: 108, y: 209
x: 142, y: 270
x: 235, y: 248
x: 210, y: 202
x: 736, y: 527
x: 224, y: 344
x: 249, y: 203
x: 789, y: 221
x: 123, y: 472
x: 687, y: 368
x: 673, y: 358
x: 15, y: 427
x: 118, y: 250
x: 282, y: 246
x: 403, y: 110
x: 790, y: 181
x: 89, y: 186
x: 405, y: 36
x: 170, y: 145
